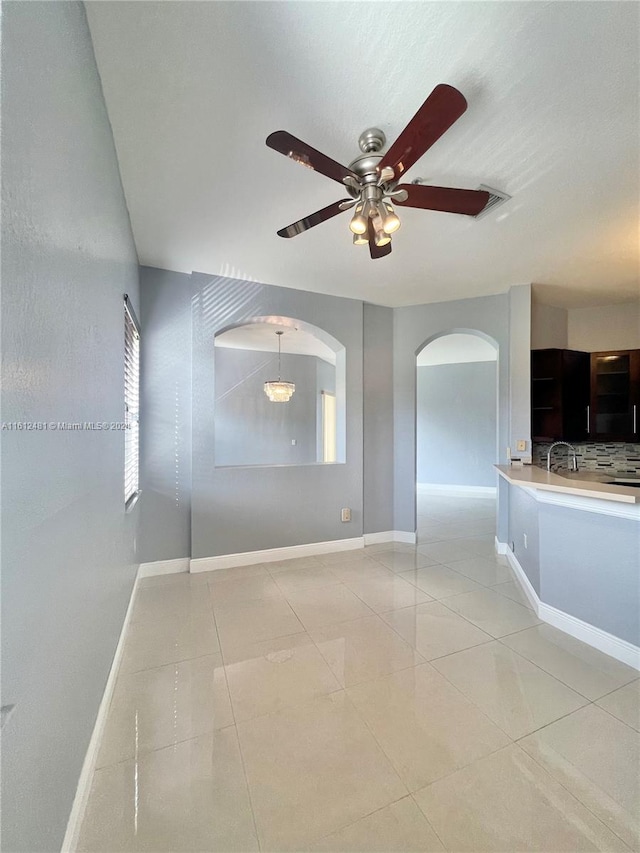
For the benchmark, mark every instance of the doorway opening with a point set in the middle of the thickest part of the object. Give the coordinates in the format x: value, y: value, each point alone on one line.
x: 457, y: 438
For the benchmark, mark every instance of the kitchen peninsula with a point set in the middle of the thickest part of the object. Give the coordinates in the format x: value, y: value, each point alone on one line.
x: 574, y: 543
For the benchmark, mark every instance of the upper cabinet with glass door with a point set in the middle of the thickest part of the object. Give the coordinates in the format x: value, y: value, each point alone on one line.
x: 615, y: 396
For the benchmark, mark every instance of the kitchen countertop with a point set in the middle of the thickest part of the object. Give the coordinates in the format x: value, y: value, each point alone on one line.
x: 587, y: 484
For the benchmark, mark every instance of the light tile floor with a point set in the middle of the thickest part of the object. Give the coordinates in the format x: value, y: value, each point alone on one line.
x: 398, y: 698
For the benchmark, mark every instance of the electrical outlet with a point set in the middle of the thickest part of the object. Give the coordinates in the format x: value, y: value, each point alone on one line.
x: 345, y: 514
x: 524, y: 536
x: 294, y: 441
x: 521, y: 445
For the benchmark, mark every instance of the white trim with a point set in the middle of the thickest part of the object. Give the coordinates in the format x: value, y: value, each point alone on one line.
x: 605, y: 642
x: 379, y: 538
x: 270, y: 555
x: 522, y: 579
x: 457, y: 491
x: 405, y: 536
x: 601, y: 507
x: 501, y: 547
x: 390, y: 536
x: 83, y: 788
x: 163, y: 567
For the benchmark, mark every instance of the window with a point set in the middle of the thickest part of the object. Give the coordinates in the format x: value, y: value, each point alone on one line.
x: 131, y: 405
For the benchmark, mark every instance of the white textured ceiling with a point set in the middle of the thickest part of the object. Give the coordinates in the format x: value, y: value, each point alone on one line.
x: 262, y: 338
x: 194, y: 88
x: 456, y: 349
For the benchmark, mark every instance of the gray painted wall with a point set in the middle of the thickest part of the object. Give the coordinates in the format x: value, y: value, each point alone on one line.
x: 378, y: 418
x: 589, y: 567
x: 414, y: 326
x: 165, y: 511
x: 519, y: 369
x: 249, y: 428
x: 247, y: 509
x: 523, y: 521
x: 456, y: 424
x: 583, y: 563
x: 68, y: 560
x: 548, y: 326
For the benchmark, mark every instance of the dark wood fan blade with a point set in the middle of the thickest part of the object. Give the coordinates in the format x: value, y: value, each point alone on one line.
x: 285, y: 143
x: 442, y: 108
x: 377, y: 251
x: 469, y: 202
x: 313, y: 219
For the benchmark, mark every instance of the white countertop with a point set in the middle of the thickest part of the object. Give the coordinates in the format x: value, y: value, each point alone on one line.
x: 587, y: 484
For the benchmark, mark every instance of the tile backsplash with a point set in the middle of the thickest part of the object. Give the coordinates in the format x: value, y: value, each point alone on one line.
x: 620, y: 457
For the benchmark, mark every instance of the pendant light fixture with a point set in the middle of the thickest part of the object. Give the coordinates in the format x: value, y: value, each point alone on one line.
x: 278, y: 390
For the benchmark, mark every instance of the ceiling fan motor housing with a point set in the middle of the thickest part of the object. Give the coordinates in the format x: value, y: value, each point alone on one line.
x: 371, y: 142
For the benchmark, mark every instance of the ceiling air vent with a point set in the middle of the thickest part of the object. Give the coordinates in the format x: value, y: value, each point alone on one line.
x: 496, y: 198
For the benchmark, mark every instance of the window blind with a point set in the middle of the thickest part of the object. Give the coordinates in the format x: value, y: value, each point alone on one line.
x: 131, y: 404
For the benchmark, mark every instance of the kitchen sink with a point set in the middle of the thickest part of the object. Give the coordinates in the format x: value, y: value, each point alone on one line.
x: 622, y: 481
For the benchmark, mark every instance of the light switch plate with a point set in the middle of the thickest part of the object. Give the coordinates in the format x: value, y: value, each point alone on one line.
x: 521, y: 444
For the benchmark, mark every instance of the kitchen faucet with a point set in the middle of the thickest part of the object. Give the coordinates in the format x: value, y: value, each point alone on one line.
x: 574, y: 461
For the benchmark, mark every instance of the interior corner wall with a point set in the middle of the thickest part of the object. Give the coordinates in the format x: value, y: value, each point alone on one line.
x: 68, y: 547
x: 240, y: 509
x: 414, y: 326
x: 378, y: 418
x: 165, y: 415
x: 519, y: 368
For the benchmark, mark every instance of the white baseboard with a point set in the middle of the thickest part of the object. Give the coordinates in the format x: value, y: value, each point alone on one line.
x: 457, y: 491
x: 405, y: 536
x: 271, y: 555
x: 390, y: 536
x: 83, y: 788
x: 605, y: 642
x: 163, y: 567
x: 501, y: 547
x: 522, y: 579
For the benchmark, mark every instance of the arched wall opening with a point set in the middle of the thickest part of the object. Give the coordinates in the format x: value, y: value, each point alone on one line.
x: 456, y: 430
x: 251, y: 429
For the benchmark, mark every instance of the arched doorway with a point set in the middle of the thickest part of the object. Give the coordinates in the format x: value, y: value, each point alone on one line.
x: 457, y: 437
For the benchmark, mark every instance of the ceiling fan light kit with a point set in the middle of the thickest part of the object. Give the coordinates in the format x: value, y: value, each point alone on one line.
x: 372, y: 178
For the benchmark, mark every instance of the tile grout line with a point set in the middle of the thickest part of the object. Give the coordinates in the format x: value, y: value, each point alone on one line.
x: 344, y: 689
x: 235, y: 725
x: 572, y: 794
x: 151, y: 750
x: 557, y: 678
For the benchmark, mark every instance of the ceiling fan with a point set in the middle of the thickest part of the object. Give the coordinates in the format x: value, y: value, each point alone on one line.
x: 372, y: 178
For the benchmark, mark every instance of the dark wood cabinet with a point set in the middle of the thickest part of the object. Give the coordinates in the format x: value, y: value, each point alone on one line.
x: 559, y: 395
x: 614, y: 412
